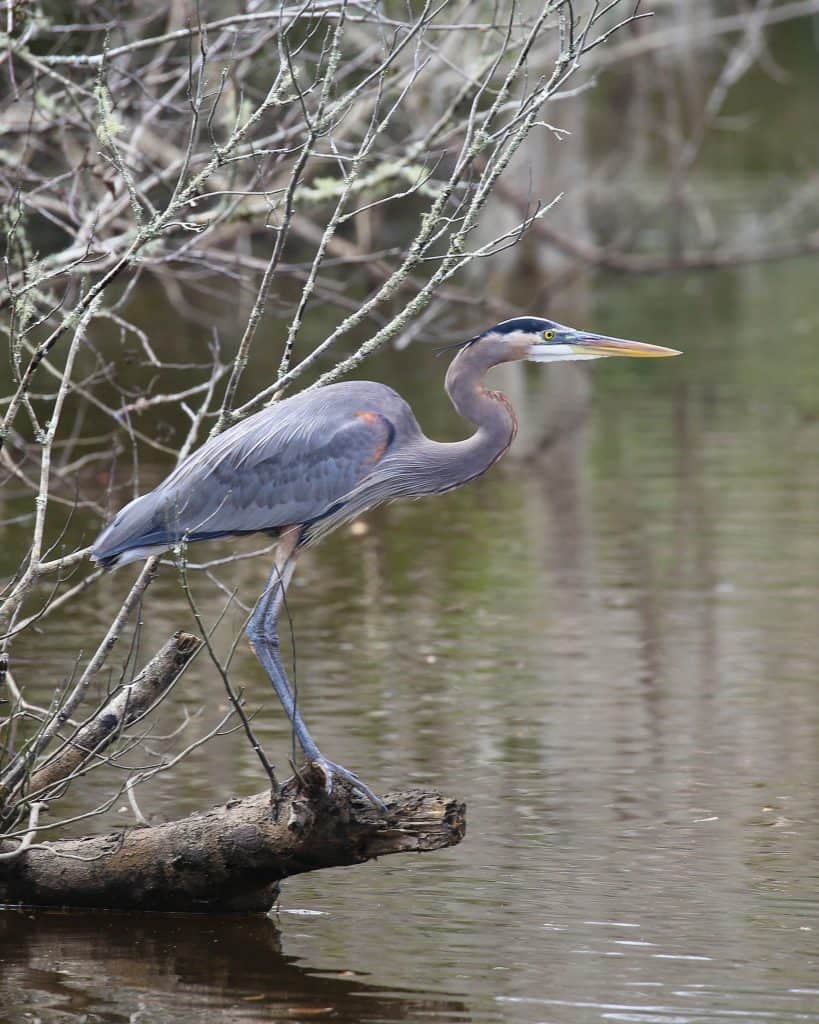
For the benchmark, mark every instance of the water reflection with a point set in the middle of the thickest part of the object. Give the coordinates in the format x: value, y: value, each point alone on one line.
x: 105, y: 968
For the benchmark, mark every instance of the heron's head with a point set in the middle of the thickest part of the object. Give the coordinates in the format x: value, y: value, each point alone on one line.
x: 544, y: 341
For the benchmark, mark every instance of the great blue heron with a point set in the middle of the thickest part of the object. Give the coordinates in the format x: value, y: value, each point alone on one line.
x: 304, y: 466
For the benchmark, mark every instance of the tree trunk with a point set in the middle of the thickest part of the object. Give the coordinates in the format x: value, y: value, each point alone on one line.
x: 232, y: 857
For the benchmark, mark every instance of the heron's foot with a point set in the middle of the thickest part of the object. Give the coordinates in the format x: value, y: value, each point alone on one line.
x: 332, y: 770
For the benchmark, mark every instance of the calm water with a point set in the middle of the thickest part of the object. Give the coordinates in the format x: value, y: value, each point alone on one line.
x: 609, y: 647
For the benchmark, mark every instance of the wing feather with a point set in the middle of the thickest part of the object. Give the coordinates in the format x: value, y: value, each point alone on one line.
x: 290, y: 463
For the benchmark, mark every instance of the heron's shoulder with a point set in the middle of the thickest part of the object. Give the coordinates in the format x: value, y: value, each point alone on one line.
x: 347, y: 390
x: 338, y: 402
x: 310, y: 417
x: 307, y: 419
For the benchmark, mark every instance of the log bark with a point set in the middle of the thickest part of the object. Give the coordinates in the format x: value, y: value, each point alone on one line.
x: 232, y: 857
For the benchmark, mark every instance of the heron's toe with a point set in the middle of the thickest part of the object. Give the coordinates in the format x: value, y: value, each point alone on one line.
x: 331, y: 770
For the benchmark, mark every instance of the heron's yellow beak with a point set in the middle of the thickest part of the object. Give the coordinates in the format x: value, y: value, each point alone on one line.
x: 565, y: 343
x: 597, y: 345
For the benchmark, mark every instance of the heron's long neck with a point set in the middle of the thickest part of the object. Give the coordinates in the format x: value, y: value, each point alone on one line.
x: 490, y: 411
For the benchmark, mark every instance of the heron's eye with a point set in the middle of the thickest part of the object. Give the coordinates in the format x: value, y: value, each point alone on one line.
x: 548, y: 335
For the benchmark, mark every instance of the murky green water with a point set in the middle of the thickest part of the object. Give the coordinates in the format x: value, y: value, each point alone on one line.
x: 608, y: 647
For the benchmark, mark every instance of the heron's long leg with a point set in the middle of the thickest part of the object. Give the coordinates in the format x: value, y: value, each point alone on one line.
x: 263, y: 633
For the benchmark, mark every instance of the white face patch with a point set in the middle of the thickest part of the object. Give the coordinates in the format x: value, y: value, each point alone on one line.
x: 560, y: 354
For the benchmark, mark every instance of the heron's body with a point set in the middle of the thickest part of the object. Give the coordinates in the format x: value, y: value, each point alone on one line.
x: 289, y: 464
x: 304, y: 466
x: 316, y: 460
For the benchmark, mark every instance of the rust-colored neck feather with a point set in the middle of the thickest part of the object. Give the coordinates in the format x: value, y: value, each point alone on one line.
x: 490, y: 411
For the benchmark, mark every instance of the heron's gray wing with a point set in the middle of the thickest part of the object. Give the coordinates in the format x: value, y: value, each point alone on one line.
x: 287, y: 464
x: 277, y: 480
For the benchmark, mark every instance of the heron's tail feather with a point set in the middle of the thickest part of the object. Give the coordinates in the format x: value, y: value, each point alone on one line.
x: 135, y: 533
x: 144, y: 528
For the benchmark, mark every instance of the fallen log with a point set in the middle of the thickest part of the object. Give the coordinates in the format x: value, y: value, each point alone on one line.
x: 230, y: 858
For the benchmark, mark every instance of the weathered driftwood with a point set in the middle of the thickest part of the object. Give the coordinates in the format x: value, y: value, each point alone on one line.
x: 232, y: 857
x: 126, y: 706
